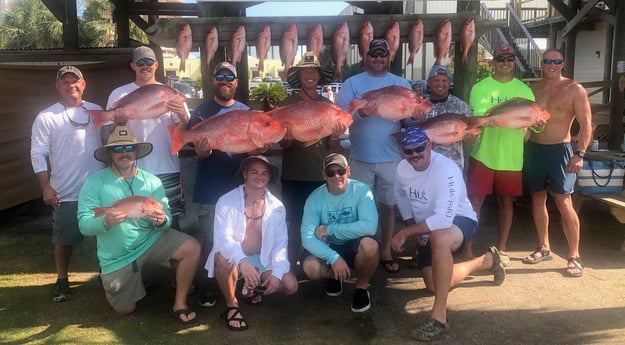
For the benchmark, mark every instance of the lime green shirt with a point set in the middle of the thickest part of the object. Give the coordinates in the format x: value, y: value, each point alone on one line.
x: 499, y: 148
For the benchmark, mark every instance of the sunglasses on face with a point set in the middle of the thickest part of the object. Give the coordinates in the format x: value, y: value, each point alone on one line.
x: 221, y: 77
x: 505, y: 58
x: 142, y: 62
x: 122, y: 148
x: 554, y: 61
x: 417, y: 149
x: 376, y: 55
x: 331, y: 173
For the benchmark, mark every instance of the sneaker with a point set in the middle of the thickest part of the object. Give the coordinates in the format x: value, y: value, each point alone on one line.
x: 60, y: 291
x: 362, y: 301
x: 499, y: 272
x: 207, y: 299
x: 334, y: 287
x: 430, y: 330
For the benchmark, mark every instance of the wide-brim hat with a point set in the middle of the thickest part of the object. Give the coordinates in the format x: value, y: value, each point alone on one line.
x: 121, y: 136
x: 309, y: 60
x: 247, y: 161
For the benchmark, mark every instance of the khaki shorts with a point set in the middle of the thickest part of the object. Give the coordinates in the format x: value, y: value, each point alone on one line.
x: 125, y: 286
x: 380, y: 177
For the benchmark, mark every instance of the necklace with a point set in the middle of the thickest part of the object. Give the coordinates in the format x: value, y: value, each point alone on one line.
x: 254, y: 208
x: 129, y: 184
x: 75, y: 123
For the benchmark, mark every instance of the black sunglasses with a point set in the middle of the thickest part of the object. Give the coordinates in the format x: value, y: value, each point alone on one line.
x: 331, y: 173
x: 555, y: 61
x: 142, y: 62
x: 122, y: 148
x: 376, y: 55
x: 417, y: 149
x: 221, y: 77
x: 508, y: 58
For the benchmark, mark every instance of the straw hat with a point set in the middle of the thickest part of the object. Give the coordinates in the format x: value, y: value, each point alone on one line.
x: 247, y: 161
x: 121, y: 136
x: 309, y: 60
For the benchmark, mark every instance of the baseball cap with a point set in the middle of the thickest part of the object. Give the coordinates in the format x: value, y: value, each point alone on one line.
x: 503, y: 49
x: 378, y: 43
x: 413, y: 136
x: 334, y: 158
x: 225, y: 65
x: 68, y: 69
x: 439, y: 70
x: 143, y: 52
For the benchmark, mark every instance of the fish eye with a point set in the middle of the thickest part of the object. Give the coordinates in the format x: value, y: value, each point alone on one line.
x: 267, y: 124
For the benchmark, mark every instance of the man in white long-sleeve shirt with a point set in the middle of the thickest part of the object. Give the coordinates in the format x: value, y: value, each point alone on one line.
x: 63, y: 134
x: 432, y: 199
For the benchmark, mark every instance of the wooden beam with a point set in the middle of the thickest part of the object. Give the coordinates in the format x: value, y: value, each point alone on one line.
x: 563, y: 8
x: 579, y: 17
x: 617, y: 95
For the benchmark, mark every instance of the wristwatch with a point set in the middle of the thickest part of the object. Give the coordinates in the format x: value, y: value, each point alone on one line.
x: 580, y: 153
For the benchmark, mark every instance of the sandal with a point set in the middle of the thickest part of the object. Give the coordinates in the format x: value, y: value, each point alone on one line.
x: 533, y: 258
x: 186, y: 312
x: 499, y: 272
x: 233, y: 317
x: 252, y: 296
x: 389, y: 265
x: 574, y: 267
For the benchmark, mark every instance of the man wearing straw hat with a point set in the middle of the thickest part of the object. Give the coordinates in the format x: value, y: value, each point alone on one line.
x: 127, y: 242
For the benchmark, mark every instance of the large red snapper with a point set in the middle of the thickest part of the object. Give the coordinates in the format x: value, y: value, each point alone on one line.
x: 340, y: 48
x: 236, y: 46
x: 184, y: 41
x: 211, y: 44
x: 468, y: 36
x: 391, y: 102
x: 288, y: 48
x: 366, y: 36
x: 515, y: 113
x: 134, y: 206
x: 449, y: 128
x: 146, y: 102
x: 308, y: 122
x: 237, y: 131
x: 415, y: 40
x: 263, y: 43
x: 392, y: 37
x: 315, y: 40
x: 442, y: 41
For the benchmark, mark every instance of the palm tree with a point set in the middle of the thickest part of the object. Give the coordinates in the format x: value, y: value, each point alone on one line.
x: 28, y: 24
x: 269, y: 95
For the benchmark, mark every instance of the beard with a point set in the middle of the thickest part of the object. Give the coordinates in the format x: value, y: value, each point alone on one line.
x: 224, y: 93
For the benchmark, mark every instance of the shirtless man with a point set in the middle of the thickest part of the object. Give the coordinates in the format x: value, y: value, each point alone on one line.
x: 242, y: 217
x: 550, y: 159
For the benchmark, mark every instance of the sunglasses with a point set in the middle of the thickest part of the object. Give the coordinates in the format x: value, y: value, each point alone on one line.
x: 509, y: 58
x: 142, y: 62
x: 331, y: 173
x: 417, y: 149
x: 555, y: 61
x: 122, y: 148
x: 221, y: 77
x: 376, y: 55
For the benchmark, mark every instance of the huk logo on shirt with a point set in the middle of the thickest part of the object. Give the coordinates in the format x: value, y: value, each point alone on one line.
x: 420, y: 196
x: 341, y: 216
x: 449, y: 212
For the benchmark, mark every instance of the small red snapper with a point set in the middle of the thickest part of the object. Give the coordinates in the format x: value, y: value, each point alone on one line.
x: 391, y: 102
x: 134, y: 206
x: 184, y: 41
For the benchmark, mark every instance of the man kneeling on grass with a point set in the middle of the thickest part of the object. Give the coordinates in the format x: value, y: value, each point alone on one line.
x: 432, y: 199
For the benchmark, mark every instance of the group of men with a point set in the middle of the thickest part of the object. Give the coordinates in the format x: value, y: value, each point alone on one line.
x: 329, y: 211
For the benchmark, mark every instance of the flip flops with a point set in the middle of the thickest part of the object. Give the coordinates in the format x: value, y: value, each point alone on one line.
x: 186, y: 312
x: 533, y: 258
x: 234, y: 317
x: 388, y: 265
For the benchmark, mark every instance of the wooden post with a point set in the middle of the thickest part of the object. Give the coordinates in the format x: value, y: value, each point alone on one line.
x: 570, y: 40
x: 618, y: 81
x: 465, y: 73
x: 70, y: 27
x: 122, y: 23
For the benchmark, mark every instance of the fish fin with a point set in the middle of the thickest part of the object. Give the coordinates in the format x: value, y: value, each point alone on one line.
x: 99, y: 211
x: 100, y: 117
x: 258, y: 143
x: 176, y: 138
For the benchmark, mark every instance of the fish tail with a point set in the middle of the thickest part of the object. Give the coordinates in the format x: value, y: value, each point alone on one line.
x: 182, y: 64
x: 176, y: 138
x: 99, y: 211
x: 410, y: 60
x: 99, y: 117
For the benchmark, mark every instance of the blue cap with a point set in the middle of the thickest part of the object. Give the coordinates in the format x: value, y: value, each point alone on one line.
x: 439, y: 70
x: 225, y: 65
x: 413, y: 136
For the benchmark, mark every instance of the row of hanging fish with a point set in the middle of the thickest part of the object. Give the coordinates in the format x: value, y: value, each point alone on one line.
x: 339, y: 46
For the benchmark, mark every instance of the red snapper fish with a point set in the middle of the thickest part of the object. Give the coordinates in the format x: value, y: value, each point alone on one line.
x: 415, y: 40
x: 442, y: 41
x: 308, y: 122
x: 134, y: 206
x: 211, y: 44
x: 263, y: 43
x: 315, y: 40
x: 468, y: 36
x: 236, y: 46
x: 340, y: 48
x: 288, y: 48
x: 184, y: 40
x: 391, y: 102
x: 366, y: 36
x: 449, y: 128
x: 392, y: 37
x: 237, y: 131
x: 515, y: 113
x: 146, y: 102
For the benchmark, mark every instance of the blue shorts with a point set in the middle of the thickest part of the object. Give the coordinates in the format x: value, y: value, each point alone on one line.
x: 347, y: 250
x: 545, y: 165
x: 467, y: 226
x: 65, y: 230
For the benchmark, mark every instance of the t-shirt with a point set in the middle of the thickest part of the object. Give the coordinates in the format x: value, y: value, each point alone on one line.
x: 499, y: 148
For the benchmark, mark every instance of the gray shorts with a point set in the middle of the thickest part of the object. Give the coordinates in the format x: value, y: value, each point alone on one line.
x: 65, y: 230
x: 125, y: 286
x: 380, y: 177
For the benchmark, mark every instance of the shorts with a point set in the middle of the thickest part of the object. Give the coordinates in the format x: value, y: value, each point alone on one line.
x: 294, y: 195
x: 380, y: 177
x: 172, y: 182
x: 467, y: 226
x: 65, y: 230
x: 545, y: 165
x: 125, y: 286
x: 206, y: 216
x: 255, y: 261
x: 347, y: 250
x: 481, y: 180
